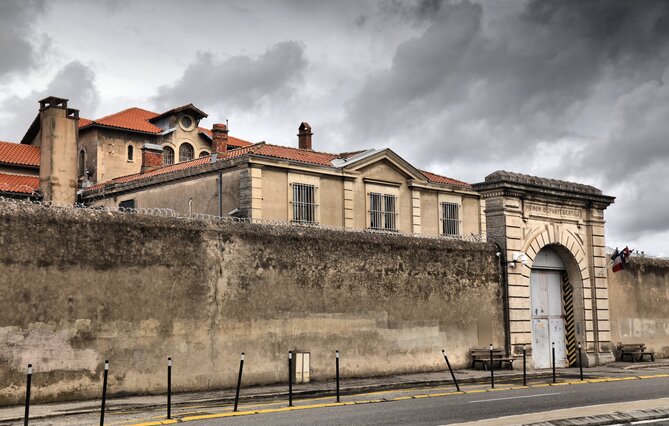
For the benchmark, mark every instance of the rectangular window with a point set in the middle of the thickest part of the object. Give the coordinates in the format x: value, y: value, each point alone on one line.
x: 382, y: 211
x: 127, y: 204
x: 304, y: 203
x: 450, y: 218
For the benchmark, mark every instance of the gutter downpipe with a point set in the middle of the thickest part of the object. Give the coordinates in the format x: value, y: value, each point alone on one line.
x: 505, y: 298
x: 219, y: 181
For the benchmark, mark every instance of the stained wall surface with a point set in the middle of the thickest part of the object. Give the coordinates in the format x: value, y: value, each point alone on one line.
x: 638, y: 303
x: 81, y: 285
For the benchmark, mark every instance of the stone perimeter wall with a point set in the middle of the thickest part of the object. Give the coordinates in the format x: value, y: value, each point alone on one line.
x: 639, y: 304
x: 80, y: 286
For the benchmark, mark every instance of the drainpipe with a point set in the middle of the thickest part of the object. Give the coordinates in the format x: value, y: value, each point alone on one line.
x: 504, y: 278
x: 219, y: 181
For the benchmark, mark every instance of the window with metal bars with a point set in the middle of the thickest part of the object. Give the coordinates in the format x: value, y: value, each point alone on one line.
x: 382, y: 211
x: 450, y: 218
x: 304, y: 203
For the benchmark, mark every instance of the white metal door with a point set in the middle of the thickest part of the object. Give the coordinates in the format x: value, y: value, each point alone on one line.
x: 547, y: 318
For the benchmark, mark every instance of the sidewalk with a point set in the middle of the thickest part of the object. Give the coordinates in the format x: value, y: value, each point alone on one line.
x: 256, y: 394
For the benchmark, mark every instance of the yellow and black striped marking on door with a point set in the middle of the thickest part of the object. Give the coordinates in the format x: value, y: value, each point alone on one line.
x: 570, y: 336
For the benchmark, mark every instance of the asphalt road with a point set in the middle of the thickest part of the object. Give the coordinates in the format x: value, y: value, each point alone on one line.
x: 461, y: 408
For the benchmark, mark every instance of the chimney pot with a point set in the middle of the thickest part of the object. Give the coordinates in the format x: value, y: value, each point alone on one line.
x: 152, y: 157
x: 304, y: 136
x: 219, y: 138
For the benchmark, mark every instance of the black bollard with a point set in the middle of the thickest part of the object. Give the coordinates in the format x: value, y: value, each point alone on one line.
x: 337, y: 372
x: 239, y: 379
x: 104, y: 394
x: 169, y: 387
x: 553, y: 352
x: 28, y: 382
x: 580, y: 362
x: 290, y: 378
x: 451, y: 370
x: 524, y: 365
x: 492, y: 370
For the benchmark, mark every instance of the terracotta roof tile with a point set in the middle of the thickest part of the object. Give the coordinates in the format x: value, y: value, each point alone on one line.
x: 18, y: 183
x: 169, y: 169
x: 445, y: 180
x: 231, y: 139
x: 83, y: 122
x: 19, y: 154
x: 131, y: 119
x: 296, y: 154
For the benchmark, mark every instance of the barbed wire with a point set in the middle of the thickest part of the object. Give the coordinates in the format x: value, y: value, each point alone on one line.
x: 636, y: 253
x: 213, y: 219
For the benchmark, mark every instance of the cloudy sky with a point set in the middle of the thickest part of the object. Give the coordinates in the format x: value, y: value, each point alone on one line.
x: 574, y: 90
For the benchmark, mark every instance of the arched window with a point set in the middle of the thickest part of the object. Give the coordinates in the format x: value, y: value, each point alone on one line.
x: 168, y: 155
x: 131, y: 153
x: 204, y: 154
x: 186, y: 152
x: 82, y: 163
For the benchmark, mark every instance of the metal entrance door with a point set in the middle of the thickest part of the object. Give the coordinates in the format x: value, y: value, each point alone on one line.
x: 547, y: 318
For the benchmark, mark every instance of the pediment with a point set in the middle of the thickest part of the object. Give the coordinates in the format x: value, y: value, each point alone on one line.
x: 385, y: 158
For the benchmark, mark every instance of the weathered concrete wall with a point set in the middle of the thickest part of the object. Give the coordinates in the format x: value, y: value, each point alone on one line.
x: 80, y: 286
x: 638, y: 297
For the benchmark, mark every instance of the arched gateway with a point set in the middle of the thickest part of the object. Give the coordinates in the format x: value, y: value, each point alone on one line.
x: 551, y: 237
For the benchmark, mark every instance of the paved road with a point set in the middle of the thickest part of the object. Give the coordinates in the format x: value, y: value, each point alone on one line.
x: 462, y: 408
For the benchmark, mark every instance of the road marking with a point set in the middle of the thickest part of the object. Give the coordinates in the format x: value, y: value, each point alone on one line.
x: 514, y: 397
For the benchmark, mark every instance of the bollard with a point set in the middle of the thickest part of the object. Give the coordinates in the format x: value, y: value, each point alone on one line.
x: 337, y: 372
x: 451, y: 370
x: 28, y: 382
x: 104, y: 394
x: 290, y: 378
x: 492, y: 370
x: 524, y: 365
x: 580, y: 362
x: 239, y: 379
x: 169, y: 387
x: 553, y: 356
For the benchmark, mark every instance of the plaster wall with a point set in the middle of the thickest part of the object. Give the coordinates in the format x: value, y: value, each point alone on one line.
x: 638, y: 303
x: 82, y: 286
x: 177, y: 196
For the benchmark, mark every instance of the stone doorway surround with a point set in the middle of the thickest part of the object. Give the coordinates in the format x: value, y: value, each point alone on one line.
x: 525, y: 214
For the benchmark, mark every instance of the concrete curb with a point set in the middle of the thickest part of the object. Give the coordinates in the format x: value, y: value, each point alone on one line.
x: 323, y: 392
x: 610, y: 419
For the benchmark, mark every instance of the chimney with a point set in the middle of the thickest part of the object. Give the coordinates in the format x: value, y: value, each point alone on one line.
x: 304, y: 136
x: 219, y: 138
x: 152, y: 157
x: 58, y: 139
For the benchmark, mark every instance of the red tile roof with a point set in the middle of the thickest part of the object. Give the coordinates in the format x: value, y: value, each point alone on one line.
x: 18, y: 183
x: 136, y: 119
x: 434, y: 178
x: 19, y: 154
x: 168, y: 169
x: 231, y: 139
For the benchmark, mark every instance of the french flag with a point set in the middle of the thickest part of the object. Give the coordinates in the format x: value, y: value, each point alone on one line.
x: 620, y: 258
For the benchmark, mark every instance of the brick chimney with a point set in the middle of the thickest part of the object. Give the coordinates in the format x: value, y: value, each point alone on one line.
x: 57, y: 138
x: 219, y: 138
x: 304, y: 136
x: 152, y: 157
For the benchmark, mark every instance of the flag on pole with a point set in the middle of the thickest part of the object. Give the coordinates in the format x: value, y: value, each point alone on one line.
x: 620, y: 258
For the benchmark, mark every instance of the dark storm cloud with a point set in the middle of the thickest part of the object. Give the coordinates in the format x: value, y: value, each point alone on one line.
x: 505, y: 91
x: 74, y: 81
x: 19, y: 44
x: 240, y: 82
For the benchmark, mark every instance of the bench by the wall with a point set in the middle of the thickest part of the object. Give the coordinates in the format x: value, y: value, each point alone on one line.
x: 635, y: 351
x: 482, y: 356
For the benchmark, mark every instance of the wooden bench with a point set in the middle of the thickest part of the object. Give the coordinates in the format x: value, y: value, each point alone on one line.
x: 482, y: 356
x: 636, y: 351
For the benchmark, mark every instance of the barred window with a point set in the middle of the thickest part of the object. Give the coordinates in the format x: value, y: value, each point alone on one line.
x: 304, y: 203
x: 186, y: 152
x: 450, y: 218
x: 382, y: 211
x: 168, y: 155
